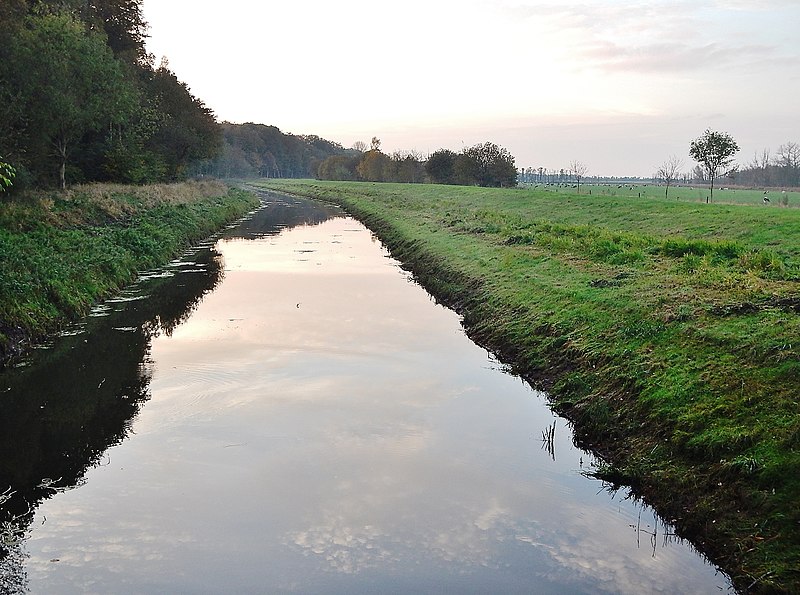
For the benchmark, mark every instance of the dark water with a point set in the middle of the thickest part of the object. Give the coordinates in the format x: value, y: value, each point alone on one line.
x: 283, y: 411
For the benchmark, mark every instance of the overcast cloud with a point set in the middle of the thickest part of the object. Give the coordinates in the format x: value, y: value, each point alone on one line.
x: 619, y: 85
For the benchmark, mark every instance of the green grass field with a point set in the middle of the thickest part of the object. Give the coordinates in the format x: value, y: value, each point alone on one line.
x: 683, y: 193
x: 668, y: 331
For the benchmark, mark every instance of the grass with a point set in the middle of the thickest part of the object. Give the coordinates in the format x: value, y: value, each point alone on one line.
x: 61, y: 252
x: 668, y: 331
x: 682, y: 193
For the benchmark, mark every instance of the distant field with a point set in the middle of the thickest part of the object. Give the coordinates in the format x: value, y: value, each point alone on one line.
x: 698, y: 194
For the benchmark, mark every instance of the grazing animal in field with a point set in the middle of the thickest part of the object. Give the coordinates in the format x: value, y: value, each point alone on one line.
x: 766, y: 199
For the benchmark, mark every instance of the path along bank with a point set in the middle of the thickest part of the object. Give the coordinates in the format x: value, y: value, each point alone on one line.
x: 667, y: 332
x: 61, y: 252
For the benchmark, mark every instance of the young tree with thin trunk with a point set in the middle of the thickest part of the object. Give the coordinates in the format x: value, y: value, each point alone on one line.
x: 669, y: 171
x: 577, y: 170
x: 714, y: 151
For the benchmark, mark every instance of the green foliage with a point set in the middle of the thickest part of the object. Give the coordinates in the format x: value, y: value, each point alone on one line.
x: 7, y: 173
x: 70, y: 84
x: 261, y: 151
x: 440, y: 166
x: 487, y: 164
x: 80, y: 100
x: 59, y: 255
x: 714, y: 151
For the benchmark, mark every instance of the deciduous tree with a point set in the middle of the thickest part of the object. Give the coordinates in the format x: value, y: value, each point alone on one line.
x: 668, y: 172
x: 714, y: 151
x: 578, y: 169
x: 71, y: 84
x: 440, y: 166
x: 495, y: 165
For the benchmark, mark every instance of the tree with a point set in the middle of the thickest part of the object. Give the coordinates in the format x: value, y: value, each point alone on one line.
x: 338, y: 167
x: 440, y: 166
x: 360, y: 146
x: 577, y: 170
x: 759, y: 168
x: 7, y: 173
x: 668, y: 172
x: 71, y: 84
x: 788, y: 162
x: 714, y: 151
x: 374, y: 166
x: 188, y: 130
x: 492, y: 165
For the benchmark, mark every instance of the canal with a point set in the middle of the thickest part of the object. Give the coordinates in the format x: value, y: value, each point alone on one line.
x: 285, y: 410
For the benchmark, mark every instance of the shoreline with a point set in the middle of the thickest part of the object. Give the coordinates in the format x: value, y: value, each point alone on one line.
x: 64, y: 252
x: 719, y: 506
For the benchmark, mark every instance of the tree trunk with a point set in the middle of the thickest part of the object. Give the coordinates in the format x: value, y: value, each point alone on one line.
x: 61, y: 148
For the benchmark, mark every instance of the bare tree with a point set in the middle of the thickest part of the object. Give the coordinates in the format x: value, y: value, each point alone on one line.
x: 669, y: 171
x: 577, y: 170
x: 788, y: 160
x: 760, y: 167
x: 360, y: 146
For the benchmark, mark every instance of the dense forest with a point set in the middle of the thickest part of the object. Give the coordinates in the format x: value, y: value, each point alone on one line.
x: 81, y: 100
x: 261, y: 151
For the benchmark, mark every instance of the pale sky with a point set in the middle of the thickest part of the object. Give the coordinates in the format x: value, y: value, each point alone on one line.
x: 616, y: 84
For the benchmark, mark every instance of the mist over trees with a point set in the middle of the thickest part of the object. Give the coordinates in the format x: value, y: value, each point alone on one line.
x: 81, y: 100
x: 257, y: 150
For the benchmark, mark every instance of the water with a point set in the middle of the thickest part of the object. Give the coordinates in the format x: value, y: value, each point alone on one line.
x: 285, y: 411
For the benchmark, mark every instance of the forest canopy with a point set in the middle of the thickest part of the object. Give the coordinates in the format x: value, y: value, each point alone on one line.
x: 81, y: 100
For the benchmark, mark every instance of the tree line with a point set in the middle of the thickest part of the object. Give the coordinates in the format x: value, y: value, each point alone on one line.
x: 81, y: 100
x: 773, y: 170
x: 485, y: 164
x: 257, y: 150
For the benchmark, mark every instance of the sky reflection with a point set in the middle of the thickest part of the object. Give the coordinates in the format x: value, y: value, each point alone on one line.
x: 319, y: 425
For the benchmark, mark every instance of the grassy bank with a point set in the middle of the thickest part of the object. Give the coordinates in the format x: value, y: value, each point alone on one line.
x: 61, y: 252
x: 669, y: 332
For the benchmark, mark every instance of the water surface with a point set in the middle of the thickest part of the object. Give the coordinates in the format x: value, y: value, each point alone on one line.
x: 285, y: 411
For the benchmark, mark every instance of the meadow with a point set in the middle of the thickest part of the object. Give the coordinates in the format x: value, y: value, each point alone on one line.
x: 683, y: 193
x: 667, y: 331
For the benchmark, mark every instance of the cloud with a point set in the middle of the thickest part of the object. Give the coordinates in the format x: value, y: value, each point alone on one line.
x: 659, y: 58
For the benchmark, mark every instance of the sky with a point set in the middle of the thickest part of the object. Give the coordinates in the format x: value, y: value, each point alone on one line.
x: 619, y: 85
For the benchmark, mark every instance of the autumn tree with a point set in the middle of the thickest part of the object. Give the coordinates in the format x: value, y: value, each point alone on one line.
x: 338, y: 167
x: 669, y: 171
x: 374, y: 166
x: 714, y: 152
